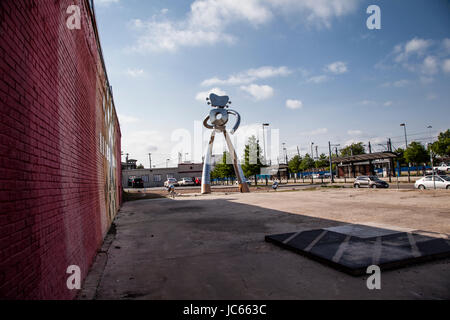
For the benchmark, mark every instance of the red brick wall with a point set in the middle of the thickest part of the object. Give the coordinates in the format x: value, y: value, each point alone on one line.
x: 59, y: 185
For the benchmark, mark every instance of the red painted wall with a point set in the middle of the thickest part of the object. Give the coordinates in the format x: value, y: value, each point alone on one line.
x: 60, y: 188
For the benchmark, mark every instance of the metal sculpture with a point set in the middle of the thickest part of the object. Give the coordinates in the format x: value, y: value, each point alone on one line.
x: 218, y: 119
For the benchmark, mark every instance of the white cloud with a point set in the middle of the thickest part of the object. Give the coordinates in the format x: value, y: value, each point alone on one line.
x: 446, y: 65
x: 354, y: 132
x: 316, y: 12
x: 318, y: 79
x: 135, y: 73
x: 249, y: 76
x: 294, y: 104
x: 446, y: 45
x: 125, y: 119
x: 415, y: 46
x: 139, y: 143
x: 367, y: 102
x: 259, y: 92
x: 201, y: 96
x: 388, y: 103
x: 398, y: 84
x: 207, y: 20
x: 430, y: 65
x: 337, y: 67
x: 316, y: 132
x: 106, y: 2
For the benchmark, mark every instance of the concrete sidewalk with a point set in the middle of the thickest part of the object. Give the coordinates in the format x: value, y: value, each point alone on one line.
x: 212, y: 247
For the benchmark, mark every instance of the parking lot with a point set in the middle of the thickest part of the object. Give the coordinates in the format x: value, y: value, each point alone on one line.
x: 212, y: 247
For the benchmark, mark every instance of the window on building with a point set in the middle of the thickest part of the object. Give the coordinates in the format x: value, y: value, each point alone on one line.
x: 157, y: 178
x: 170, y: 175
x: 145, y: 178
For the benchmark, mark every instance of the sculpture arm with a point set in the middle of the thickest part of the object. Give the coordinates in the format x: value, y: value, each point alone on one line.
x: 238, y: 121
x: 206, y: 125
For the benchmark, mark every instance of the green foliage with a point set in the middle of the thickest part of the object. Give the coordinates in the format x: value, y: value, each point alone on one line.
x: 294, y: 164
x: 252, y: 157
x: 307, y: 163
x: 442, y: 146
x: 401, y: 156
x: 353, y: 149
x: 416, y: 153
x: 223, y: 169
x: 322, y: 162
x: 140, y: 166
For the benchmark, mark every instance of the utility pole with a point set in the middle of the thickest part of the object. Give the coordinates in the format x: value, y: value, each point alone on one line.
x: 317, y: 152
x: 406, y: 147
x: 312, y: 157
x: 298, y: 152
x: 150, y: 159
x: 370, y: 148
x: 331, y: 163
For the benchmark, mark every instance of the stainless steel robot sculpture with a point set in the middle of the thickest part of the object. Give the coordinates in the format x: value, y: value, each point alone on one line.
x: 218, y: 117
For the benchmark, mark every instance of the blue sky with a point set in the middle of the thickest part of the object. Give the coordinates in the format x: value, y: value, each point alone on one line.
x: 312, y: 69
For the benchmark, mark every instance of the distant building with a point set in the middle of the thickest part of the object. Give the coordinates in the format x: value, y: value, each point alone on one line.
x: 131, y: 164
x: 155, y: 177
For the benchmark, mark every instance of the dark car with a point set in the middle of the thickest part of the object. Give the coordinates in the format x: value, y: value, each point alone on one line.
x: 137, y: 183
x: 369, y: 182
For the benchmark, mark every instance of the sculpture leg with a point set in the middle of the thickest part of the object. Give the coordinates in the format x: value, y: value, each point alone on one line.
x: 206, y: 175
x: 243, y: 186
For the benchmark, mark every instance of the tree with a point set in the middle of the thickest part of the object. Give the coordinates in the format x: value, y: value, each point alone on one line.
x: 322, y: 162
x: 140, y: 166
x: 353, y: 149
x: 223, y: 169
x: 442, y: 146
x: 307, y: 163
x: 294, y: 164
x: 416, y: 153
x: 252, y: 158
x: 401, y: 157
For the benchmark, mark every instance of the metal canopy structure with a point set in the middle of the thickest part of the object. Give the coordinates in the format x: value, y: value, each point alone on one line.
x: 365, y: 157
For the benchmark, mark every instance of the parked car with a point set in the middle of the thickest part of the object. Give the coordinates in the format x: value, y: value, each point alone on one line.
x: 137, y: 183
x: 245, y: 179
x: 442, y: 182
x: 186, y: 182
x: 443, y: 167
x: 171, y: 181
x: 369, y: 182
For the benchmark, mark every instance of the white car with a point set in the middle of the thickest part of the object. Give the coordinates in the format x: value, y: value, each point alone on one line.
x: 442, y: 182
x: 186, y: 182
x: 443, y: 167
x: 171, y: 181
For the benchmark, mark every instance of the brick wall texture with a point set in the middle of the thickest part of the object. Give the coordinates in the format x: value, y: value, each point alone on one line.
x: 60, y: 184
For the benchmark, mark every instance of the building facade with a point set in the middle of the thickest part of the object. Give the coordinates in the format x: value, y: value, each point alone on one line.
x: 60, y: 147
x: 155, y: 177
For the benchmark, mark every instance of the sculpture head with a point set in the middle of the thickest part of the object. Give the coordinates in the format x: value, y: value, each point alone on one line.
x: 218, y: 101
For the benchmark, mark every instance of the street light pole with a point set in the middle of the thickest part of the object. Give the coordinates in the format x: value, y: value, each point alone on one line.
x: 331, y: 162
x: 264, y: 142
x: 431, y: 156
x: 406, y: 146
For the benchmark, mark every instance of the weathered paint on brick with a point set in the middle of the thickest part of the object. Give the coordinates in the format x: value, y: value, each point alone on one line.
x: 60, y: 184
